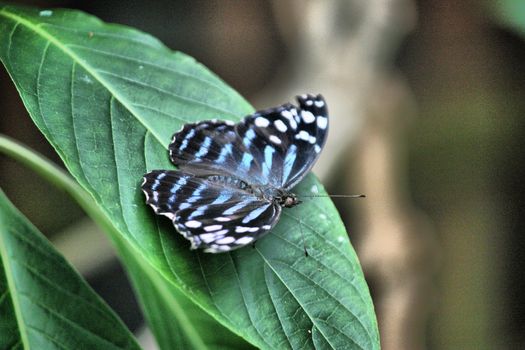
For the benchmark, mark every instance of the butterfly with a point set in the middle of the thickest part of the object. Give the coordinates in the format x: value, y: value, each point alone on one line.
x: 233, y: 180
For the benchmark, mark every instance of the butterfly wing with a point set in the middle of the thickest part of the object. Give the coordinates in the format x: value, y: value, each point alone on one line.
x: 276, y: 147
x: 211, y: 215
x: 213, y: 147
x: 286, y: 141
x: 224, y: 227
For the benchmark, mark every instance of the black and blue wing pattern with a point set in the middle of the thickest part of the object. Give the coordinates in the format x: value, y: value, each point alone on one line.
x: 233, y: 179
x: 286, y: 141
x: 213, y: 147
x: 213, y: 212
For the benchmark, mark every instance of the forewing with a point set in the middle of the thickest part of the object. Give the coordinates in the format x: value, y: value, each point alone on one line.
x: 286, y: 141
x: 223, y: 227
x: 213, y: 147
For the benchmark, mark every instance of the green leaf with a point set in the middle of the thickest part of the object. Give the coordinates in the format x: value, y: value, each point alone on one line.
x: 176, y: 322
x: 109, y: 98
x: 44, y: 303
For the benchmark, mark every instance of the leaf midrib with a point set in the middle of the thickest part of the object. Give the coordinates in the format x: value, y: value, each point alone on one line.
x: 90, y: 69
x: 93, y: 72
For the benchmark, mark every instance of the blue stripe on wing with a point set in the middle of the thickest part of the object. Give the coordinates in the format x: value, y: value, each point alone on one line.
x: 226, y: 227
x: 167, y: 191
x: 213, y: 147
x: 287, y: 140
x: 214, y: 213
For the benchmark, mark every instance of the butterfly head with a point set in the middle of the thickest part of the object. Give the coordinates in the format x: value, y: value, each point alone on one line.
x: 287, y: 200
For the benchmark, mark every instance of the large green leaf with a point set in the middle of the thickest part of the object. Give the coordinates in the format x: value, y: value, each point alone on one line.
x: 44, y: 303
x: 108, y: 98
x: 176, y: 321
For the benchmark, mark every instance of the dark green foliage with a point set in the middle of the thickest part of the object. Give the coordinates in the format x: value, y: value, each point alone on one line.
x: 109, y: 98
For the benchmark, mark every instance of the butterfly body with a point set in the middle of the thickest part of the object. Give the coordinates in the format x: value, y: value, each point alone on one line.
x: 234, y: 179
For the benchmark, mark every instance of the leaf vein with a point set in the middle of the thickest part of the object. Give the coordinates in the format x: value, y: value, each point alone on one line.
x: 71, y: 323
x: 333, y: 298
x: 244, y: 299
x: 10, y: 43
x: 313, y: 319
x: 287, y: 338
x: 38, y: 275
x: 99, y: 33
x: 166, y: 92
x: 150, y: 64
x: 48, y: 36
x: 38, y: 95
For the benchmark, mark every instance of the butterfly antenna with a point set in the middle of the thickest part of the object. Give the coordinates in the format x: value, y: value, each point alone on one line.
x: 334, y: 195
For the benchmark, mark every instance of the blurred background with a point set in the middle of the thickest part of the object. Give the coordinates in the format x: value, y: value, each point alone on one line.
x: 427, y: 102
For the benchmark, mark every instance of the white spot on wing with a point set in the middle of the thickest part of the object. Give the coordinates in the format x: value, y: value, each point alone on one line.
x: 211, y: 227
x: 242, y: 229
x: 226, y: 240
x: 262, y: 122
x: 303, y: 135
x: 222, y: 219
x: 208, y: 237
x: 169, y: 215
x: 279, y: 125
x: 308, y: 117
x: 244, y: 240
x: 319, y: 104
x: 216, y: 248
x: 322, y: 122
x: 275, y: 139
x: 193, y: 224
x: 290, y: 117
x: 317, y: 148
x: 45, y: 13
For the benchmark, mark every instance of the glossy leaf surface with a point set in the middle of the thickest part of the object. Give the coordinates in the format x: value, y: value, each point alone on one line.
x: 109, y: 98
